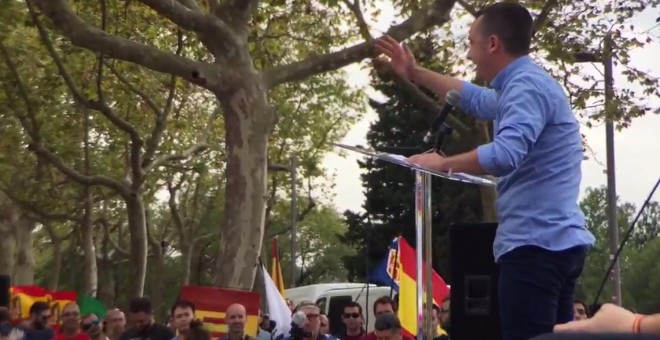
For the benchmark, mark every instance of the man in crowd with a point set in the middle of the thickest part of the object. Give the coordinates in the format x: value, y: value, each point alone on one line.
x: 236, y: 317
x: 93, y: 327
x: 580, y: 311
x: 183, y: 313
x: 38, y: 328
x: 388, y: 327
x: 385, y: 305
x: 143, y: 326
x: 353, y: 322
x: 70, y: 328
x: 115, y: 324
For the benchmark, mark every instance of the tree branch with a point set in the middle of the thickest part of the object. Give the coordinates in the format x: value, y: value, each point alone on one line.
x: 193, y: 19
x: 543, y: 16
x: 46, y: 154
x: 236, y: 12
x: 469, y: 8
x: 89, y: 37
x: 99, y: 105
x: 436, y: 13
x: 162, y: 115
x: 359, y: 16
x: 106, y: 233
x: 194, y: 150
x: 57, y: 162
x: 174, y: 209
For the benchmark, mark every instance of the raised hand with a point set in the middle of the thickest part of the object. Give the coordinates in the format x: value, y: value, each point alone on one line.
x: 401, y: 60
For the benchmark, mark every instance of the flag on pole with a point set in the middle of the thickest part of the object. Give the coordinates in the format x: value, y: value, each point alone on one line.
x: 276, y: 270
x: 277, y: 307
x: 408, y: 288
x: 211, y: 305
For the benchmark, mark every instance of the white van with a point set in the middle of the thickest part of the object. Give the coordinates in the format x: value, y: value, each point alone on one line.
x: 313, y: 292
x: 332, y: 303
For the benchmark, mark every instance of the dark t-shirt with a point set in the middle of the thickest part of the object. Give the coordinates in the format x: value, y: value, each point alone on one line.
x: 155, y: 332
x: 38, y: 334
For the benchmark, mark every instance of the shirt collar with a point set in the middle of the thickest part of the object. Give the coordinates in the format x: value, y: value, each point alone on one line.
x: 505, y: 74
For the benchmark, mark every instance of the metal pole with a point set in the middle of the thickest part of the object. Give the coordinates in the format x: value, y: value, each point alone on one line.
x: 610, y: 110
x: 428, y: 257
x: 419, y: 227
x: 294, y: 216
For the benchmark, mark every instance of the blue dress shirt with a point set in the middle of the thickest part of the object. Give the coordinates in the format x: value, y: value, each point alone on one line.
x: 536, y: 154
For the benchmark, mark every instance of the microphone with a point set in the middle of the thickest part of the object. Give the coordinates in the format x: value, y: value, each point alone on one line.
x: 299, y: 318
x: 451, y: 99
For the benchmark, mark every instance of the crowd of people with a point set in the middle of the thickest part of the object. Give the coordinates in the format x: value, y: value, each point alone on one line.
x: 182, y: 323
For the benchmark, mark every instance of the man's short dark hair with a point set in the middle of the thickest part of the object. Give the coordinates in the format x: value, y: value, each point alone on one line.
x: 39, y: 307
x: 387, y: 322
x: 386, y: 300
x: 511, y: 23
x: 182, y: 304
x: 354, y: 304
x: 141, y: 304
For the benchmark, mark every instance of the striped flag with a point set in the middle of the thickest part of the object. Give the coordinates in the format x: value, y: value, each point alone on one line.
x: 276, y: 271
x: 211, y: 303
x: 408, y: 288
x: 22, y: 298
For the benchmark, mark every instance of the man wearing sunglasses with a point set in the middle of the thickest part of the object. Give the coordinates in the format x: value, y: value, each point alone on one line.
x: 93, y: 327
x: 353, y: 322
x: 38, y: 328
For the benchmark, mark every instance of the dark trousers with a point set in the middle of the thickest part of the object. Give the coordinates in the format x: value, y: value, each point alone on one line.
x: 536, y: 289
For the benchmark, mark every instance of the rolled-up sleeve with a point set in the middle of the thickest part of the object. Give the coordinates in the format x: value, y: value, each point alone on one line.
x: 523, y: 115
x: 478, y: 101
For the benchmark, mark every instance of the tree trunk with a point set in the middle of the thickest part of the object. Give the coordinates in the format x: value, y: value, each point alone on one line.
x: 156, y: 276
x: 138, y: 240
x: 24, y: 267
x: 90, y: 269
x: 186, y: 259
x: 56, y: 243
x: 248, y: 122
x: 7, y: 242
x: 8, y: 218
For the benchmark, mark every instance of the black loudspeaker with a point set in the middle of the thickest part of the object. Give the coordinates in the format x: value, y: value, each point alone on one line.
x: 584, y: 336
x: 474, y: 309
x: 5, y: 283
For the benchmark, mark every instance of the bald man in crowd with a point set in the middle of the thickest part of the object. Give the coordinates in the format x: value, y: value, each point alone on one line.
x: 236, y: 318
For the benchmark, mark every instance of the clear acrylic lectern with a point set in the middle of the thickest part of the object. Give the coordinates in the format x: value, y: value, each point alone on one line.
x: 423, y: 228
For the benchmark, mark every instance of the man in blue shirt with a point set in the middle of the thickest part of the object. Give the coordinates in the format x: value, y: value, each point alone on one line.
x: 536, y: 153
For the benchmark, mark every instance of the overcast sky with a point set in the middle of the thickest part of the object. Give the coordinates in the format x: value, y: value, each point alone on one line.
x: 637, y: 148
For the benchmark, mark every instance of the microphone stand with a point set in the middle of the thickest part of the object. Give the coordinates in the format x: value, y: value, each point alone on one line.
x: 443, y: 131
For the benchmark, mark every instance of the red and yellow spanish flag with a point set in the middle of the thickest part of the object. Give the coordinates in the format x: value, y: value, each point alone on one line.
x: 276, y: 271
x: 408, y: 288
x: 59, y: 299
x: 211, y: 304
x: 22, y: 298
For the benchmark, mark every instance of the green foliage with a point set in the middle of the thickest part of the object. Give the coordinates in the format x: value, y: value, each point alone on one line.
x: 633, y: 259
x: 389, y: 189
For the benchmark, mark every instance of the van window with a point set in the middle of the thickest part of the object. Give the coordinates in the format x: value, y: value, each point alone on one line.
x: 322, y: 302
x: 335, y: 311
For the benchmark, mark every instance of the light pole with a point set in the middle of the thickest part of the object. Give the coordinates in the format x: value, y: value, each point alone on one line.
x: 610, y: 111
x: 605, y: 58
x: 292, y: 170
